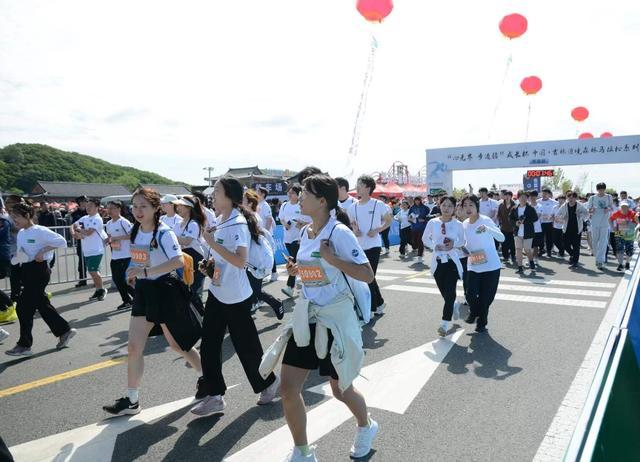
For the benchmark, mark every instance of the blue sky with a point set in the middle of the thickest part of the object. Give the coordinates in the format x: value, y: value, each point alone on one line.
x: 173, y: 87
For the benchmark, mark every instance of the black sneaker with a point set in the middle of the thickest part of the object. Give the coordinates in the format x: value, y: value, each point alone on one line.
x: 94, y: 296
x: 627, y: 266
x: 124, y: 306
x: 122, y: 406
x: 471, y: 319
x: 520, y: 270
x: 102, y: 294
x: 201, y: 389
x: 279, y: 310
x: 532, y: 265
x: 619, y: 268
x: 81, y: 284
x: 480, y: 329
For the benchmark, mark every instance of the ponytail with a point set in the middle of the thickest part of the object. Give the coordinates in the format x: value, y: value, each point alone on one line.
x: 342, y: 216
x: 252, y: 222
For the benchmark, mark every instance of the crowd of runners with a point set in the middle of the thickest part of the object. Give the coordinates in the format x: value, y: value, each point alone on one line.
x: 162, y: 258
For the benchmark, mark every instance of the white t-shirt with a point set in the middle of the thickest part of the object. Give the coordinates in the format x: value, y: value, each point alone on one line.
x: 264, y: 210
x: 545, y: 210
x: 433, y: 236
x: 367, y: 217
x: 122, y: 227
x: 35, y: 238
x: 521, y: 215
x: 558, y: 221
x: 489, y: 208
x: 230, y: 283
x: 537, y: 225
x: 192, y: 230
x: 142, y: 254
x: 403, y: 218
x: 291, y: 213
x: 321, y: 282
x: 94, y: 244
x: 481, y: 246
x: 345, y: 204
x: 602, y: 209
x: 171, y: 222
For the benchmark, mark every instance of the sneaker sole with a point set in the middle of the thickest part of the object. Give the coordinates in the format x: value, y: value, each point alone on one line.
x: 360, y: 456
x: 19, y: 354
x: 124, y: 412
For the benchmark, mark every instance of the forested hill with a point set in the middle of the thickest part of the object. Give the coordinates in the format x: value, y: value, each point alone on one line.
x: 21, y: 165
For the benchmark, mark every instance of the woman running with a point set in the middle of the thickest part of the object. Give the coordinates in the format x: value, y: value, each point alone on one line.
x: 229, y: 301
x: 293, y: 221
x: 119, y: 232
x: 328, y: 251
x: 402, y: 217
x: 250, y: 201
x: 159, y: 297
x: 445, y: 235
x: 36, y: 244
x: 483, y: 263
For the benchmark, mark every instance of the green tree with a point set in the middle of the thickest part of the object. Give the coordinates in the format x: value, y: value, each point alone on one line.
x: 458, y: 193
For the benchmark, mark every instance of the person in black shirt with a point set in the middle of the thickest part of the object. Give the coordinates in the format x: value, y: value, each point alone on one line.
x: 78, y: 213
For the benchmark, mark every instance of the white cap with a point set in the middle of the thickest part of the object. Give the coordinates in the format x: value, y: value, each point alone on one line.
x: 625, y: 202
x: 168, y: 199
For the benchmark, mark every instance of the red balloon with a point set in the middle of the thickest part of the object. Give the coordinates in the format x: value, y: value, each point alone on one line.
x: 580, y: 113
x: 585, y: 135
x: 606, y: 135
x: 531, y: 85
x: 374, y: 10
x: 513, y: 25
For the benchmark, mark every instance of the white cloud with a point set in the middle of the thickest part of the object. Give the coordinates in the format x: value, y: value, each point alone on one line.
x: 173, y: 87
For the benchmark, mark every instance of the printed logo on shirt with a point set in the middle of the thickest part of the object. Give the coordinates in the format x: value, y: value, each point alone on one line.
x: 219, y: 241
x: 355, y: 252
x: 31, y: 241
x: 237, y: 237
x: 175, y: 247
x: 315, y: 254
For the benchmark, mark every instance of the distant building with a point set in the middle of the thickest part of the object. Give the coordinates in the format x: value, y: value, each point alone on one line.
x: 251, y: 177
x: 64, y: 191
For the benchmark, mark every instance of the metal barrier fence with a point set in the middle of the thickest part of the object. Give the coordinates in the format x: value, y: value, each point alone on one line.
x: 66, y: 262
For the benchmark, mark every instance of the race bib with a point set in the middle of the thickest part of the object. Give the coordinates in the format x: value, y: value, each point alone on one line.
x: 312, y: 274
x: 546, y: 218
x: 140, y: 256
x: 477, y: 257
x: 116, y: 245
x: 216, y: 280
x: 558, y: 220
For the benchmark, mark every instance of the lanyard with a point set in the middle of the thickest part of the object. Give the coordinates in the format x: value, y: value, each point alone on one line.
x: 373, y: 214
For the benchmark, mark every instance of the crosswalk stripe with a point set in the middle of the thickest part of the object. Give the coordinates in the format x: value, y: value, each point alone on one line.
x: 391, y: 271
x: 509, y: 297
x: 539, y: 282
x: 382, y: 277
x: 526, y: 288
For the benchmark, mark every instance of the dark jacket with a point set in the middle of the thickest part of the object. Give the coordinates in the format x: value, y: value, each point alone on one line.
x: 504, y: 217
x: 530, y: 217
x: 421, y: 212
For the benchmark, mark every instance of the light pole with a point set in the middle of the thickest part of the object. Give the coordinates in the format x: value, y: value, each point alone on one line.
x: 209, y: 169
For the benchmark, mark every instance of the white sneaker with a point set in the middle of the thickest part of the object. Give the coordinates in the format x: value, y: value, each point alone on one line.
x: 254, y: 307
x: 380, y: 310
x: 299, y: 285
x: 364, y: 438
x: 456, y: 311
x: 443, y: 329
x: 268, y: 394
x: 274, y: 277
x: 209, y: 405
x: 421, y: 260
x: 296, y: 456
x: 288, y: 291
x: 3, y: 335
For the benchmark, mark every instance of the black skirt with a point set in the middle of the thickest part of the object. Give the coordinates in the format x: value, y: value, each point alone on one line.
x: 166, y: 300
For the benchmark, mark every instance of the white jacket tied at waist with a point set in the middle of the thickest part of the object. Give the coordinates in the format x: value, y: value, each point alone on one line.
x: 340, y: 318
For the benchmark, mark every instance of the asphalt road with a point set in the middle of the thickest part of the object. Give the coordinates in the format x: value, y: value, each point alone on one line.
x: 492, y: 397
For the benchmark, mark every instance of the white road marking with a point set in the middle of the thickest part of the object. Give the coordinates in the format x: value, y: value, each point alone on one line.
x: 382, y: 277
x: 538, y: 282
x: 93, y: 442
x: 508, y: 297
x: 391, y: 384
x: 391, y: 271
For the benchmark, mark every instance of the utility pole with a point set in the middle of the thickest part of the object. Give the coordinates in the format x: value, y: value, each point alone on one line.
x: 209, y: 169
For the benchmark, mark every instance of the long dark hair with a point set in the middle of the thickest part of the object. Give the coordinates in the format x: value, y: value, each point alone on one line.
x: 234, y: 191
x: 196, y: 213
x: 322, y: 185
x: 24, y: 209
x: 153, y: 197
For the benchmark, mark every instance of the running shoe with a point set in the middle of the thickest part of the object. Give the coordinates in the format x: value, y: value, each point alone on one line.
x: 82, y: 283
x: 379, y: 311
x: 94, y: 296
x: 268, y: 394
x: 471, y: 319
x: 278, y: 310
x: 124, y: 306
x: 209, y: 405
x: 364, y: 439
x: 573, y: 265
x: 296, y: 455
x: 420, y: 261
x: 520, y: 270
x: 123, y: 406
x: 201, y: 389
x: 481, y: 329
x: 442, y: 332
x: 627, y: 266
x: 288, y: 291
x: 19, y: 351
x: 254, y: 307
x: 9, y: 315
x: 64, y: 338
x: 619, y: 268
x: 102, y: 294
x: 274, y: 277
x: 532, y: 265
x: 3, y: 335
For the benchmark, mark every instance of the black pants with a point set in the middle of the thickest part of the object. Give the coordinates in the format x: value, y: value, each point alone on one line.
x: 508, y: 246
x: 198, y: 280
x: 613, y: 243
x: 244, y: 336
x: 293, y: 251
x: 5, y: 455
x: 558, y: 241
x: 446, y: 277
x: 35, y: 277
x: 118, y: 275
x: 481, y: 290
x: 259, y: 294
x: 385, y: 238
x: 417, y: 240
x: 547, y: 232
x: 405, y: 238
x: 465, y: 276
x: 376, y: 296
x: 572, y: 246
x: 14, y: 280
x: 82, y: 270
